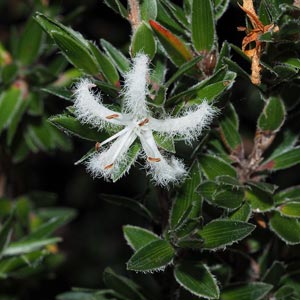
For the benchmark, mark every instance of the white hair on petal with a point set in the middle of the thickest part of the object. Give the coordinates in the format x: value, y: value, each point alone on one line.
x: 189, y: 126
x: 109, y: 160
x: 89, y: 108
x: 166, y: 171
x: 136, y: 87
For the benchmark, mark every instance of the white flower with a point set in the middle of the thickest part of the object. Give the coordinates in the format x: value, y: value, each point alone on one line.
x: 137, y: 123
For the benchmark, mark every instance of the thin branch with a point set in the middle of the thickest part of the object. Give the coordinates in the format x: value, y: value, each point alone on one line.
x: 134, y: 16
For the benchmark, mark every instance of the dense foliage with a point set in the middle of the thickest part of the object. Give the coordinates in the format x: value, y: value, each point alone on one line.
x: 228, y: 227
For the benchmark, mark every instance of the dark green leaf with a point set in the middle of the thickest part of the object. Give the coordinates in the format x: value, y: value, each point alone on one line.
x: 282, y: 161
x: 259, y: 199
x: 287, y: 195
x: 21, y: 247
x: 203, y: 26
x: 118, y: 7
x: 220, y: 7
x: 183, y: 69
x: 60, y: 92
x: 10, y: 103
x: 241, y: 214
x: 143, y: 41
x: 154, y: 256
x: 274, y: 273
x: 229, y: 129
x: 223, y: 232
x: 273, y: 115
x: 197, y: 279
x: 247, y: 291
x: 129, y: 203
x: 125, y: 165
x: 30, y: 43
x: 214, y: 166
x: 186, y: 196
x: 122, y: 285
x: 290, y: 209
x: 75, y: 52
x: 287, y: 229
x: 222, y: 195
x: 138, y: 237
x: 120, y: 61
x: 107, y: 68
x: 73, y: 126
x: 5, y: 233
x: 148, y: 9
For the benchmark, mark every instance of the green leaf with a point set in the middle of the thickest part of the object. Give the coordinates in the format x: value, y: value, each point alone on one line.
x: 274, y: 274
x: 243, y: 213
x: 214, y: 166
x: 138, y: 237
x: 290, y: 209
x: 282, y: 161
x: 186, y: 197
x: 224, y: 52
x: 220, y: 233
x: 222, y: 195
x: 107, y: 67
x: 119, y: 60
x: 148, y: 9
x: 6, y: 233
x: 45, y: 230
x: 60, y: 92
x: 21, y: 247
x: 129, y: 203
x: 197, y: 279
x: 182, y: 70
x: 122, y: 285
x: 164, y: 142
x: 72, y: 125
x: 229, y: 129
x: 220, y: 7
x: 125, y: 165
x: 210, y: 88
x: 143, y: 41
x: 272, y: 116
x: 118, y: 7
x: 15, y: 121
x: 247, y: 291
x: 178, y: 52
x: 154, y: 256
x: 287, y: 229
x: 30, y: 43
x: 287, y: 195
x: 284, y: 293
x: 75, y: 52
x: 10, y: 103
x: 203, y: 26
x: 71, y: 43
x: 259, y: 199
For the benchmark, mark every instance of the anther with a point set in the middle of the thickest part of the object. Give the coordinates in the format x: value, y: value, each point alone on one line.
x: 113, y: 116
x: 108, y: 167
x: 153, y: 159
x: 97, y: 146
x: 144, y: 122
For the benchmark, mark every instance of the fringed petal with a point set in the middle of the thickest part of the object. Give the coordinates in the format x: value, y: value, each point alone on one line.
x: 136, y: 87
x: 163, y: 170
x: 188, y: 126
x: 90, y: 110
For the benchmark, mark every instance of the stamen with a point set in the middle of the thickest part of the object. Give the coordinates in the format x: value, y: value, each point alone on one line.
x: 153, y: 159
x: 113, y: 116
x: 97, y: 146
x: 142, y: 123
x: 108, y: 167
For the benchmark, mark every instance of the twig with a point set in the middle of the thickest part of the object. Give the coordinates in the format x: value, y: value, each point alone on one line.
x: 134, y: 15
